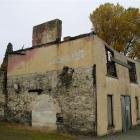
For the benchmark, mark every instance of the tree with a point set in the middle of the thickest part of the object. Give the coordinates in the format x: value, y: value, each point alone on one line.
x: 4, y: 64
x: 119, y: 27
x: 3, y: 68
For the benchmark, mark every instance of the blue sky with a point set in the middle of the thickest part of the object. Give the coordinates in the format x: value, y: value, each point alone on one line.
x: 17, y: 17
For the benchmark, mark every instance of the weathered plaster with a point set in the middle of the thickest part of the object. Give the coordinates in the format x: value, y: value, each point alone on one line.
x: 76, y: 103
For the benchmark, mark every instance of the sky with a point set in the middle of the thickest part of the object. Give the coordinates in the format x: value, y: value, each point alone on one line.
x: 17, y: 18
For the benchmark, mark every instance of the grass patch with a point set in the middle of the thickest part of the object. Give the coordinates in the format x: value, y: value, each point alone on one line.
x: 18, y: 132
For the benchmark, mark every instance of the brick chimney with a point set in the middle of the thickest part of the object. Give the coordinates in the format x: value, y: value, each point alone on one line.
x: 47, y: 32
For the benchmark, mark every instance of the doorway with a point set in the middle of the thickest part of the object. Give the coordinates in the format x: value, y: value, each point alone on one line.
x: 44, y: 112
x: 126, y: 113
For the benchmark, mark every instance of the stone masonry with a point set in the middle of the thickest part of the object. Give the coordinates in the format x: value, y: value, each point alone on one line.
x: 2, y: 98
x: 76, y: 102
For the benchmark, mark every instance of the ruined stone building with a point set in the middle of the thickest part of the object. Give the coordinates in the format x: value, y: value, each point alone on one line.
x: 77, y: 85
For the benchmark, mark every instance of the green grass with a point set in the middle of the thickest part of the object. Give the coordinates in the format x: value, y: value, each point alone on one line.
x: 16, y: 132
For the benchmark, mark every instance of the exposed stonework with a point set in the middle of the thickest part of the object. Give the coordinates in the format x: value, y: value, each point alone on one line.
x: 1, y: 81
x: 2, y: 98
x: 76, y: 102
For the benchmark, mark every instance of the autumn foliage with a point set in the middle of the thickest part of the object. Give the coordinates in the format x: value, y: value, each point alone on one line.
x: 119, y: 27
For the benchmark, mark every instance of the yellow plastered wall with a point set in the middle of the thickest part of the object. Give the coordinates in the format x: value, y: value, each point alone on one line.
x: 113, y: 86
x: 76, y: 53
x: 99, y: 54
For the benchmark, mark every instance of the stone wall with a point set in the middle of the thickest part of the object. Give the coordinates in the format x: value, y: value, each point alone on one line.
x: 2, y: 97
x: 75, y: 96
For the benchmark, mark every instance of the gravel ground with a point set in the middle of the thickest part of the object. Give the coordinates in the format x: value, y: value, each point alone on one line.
x: 130, y: 135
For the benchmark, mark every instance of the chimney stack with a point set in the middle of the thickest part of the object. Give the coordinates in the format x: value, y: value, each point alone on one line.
x: 47, y: 32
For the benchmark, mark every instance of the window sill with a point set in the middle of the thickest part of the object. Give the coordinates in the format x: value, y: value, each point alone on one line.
x: 115, y: 77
